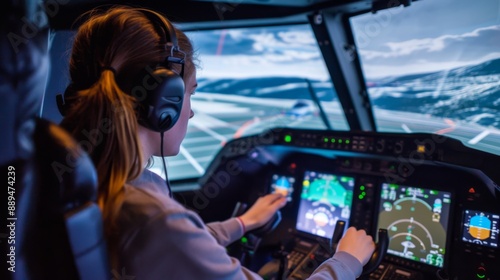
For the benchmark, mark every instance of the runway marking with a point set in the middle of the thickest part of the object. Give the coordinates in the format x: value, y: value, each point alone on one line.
x: 406, y: 128
x: 209, y: 131
x: 242, y: 128
x: 191, y: 160
x: 448, y: 129
x: 479, y: 137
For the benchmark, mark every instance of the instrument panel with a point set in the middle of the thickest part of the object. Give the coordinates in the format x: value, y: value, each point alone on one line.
x: 437, y: 199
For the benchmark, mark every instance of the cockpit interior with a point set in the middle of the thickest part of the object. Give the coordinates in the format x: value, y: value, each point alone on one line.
x: 380, y: 114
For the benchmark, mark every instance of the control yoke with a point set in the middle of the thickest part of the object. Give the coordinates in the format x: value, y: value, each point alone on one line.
x: 378, y: 254
x: 268, y: 227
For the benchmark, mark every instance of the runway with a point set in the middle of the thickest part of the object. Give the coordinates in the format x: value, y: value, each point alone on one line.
x: 220, y: 118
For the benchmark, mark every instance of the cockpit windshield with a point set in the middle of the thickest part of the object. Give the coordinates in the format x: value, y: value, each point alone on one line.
x: 434, y: 67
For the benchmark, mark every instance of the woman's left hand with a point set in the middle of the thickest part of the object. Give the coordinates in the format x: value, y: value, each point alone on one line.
x: 262, y: 210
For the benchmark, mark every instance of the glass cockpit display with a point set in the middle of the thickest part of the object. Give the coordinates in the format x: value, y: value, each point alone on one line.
x: 325, y: 198
x: 481, y: 228
x: 417, y: 221
x: 283, y: 185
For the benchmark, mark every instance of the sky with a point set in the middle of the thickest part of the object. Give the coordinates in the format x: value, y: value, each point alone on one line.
x: 262, y: 51
x: 430, y: 35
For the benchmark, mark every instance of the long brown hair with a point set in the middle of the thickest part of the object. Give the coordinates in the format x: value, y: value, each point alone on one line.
x: 111, y: 47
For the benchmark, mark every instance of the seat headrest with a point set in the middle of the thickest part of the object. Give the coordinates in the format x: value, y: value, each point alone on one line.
x: 71, y: 167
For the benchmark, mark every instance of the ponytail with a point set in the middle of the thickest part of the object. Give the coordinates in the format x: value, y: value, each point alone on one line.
x: 103, y: 120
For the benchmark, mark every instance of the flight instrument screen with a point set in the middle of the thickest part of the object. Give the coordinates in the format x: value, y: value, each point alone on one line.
x: 325, y: 198
x: 283, y: 185
x: 481, y: 228
x: 416, y: 220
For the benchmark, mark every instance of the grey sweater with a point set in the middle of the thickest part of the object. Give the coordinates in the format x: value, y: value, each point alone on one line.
x: 161, y: 239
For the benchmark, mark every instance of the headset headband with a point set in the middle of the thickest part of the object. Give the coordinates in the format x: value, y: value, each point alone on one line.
x: 158, y: 24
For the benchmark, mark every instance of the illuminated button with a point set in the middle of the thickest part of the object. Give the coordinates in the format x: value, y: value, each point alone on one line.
x: 481, y: 272
x: 421, y: 148
x: 472, y: 190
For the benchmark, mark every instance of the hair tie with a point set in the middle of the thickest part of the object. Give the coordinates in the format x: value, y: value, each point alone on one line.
x: 109, y: 68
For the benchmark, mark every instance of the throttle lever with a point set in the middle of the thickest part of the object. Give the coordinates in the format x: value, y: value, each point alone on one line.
x: 239, y: 209
x: 337, y: 234
x: 378, y: 254
x: 261, y: 231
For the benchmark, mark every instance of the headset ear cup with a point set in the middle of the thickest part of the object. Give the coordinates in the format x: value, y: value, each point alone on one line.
x: 161, y: 108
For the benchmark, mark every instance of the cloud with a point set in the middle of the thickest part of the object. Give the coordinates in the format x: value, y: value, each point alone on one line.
x: 432, y: 54
x: 262, y: 51
x: 442, y: 44
x: 244, y: 66
x: 284, y: 43
x: 287, y: 44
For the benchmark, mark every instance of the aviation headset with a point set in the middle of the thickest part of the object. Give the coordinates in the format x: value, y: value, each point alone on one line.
x: 161, y: 89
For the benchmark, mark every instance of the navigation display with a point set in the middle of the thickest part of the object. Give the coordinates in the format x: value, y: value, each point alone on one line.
x: 325, y: 198
x: 416, y: 220
x: 283, y: 185
x: 481, y: 228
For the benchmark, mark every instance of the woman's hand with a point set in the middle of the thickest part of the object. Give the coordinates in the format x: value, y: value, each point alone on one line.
x: 358, y: 244
x: 262, y: 210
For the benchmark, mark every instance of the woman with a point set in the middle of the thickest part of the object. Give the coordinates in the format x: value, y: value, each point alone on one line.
x: 150, y: 235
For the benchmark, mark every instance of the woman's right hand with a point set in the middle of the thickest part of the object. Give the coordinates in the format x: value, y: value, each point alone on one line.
x: 358, y: 244
x: 262, y: 210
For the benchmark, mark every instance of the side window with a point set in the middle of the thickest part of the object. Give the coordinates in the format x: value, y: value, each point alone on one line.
x: 434, y: 67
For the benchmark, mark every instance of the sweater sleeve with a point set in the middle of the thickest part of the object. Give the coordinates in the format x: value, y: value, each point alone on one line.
x: 226, y: 232
x: 342, y: 266
x: 184, y: 249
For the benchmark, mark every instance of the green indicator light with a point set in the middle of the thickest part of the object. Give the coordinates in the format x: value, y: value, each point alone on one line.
x: 360, y: 197
x: 362, y: 188
x: 340, y: 141
x: 326, y: 140
x: 333, y: 140
x: 244, y: 239
x: 426, y: 196
x: 480, y: 275
x: 363, y: 193
x: 347, y: 141
x: 288, y: 138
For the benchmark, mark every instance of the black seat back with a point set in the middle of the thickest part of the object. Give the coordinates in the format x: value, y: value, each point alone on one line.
x: 54, y: 228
